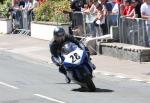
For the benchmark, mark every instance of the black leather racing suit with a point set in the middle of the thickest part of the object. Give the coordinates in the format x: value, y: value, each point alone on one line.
x: 55, y: 49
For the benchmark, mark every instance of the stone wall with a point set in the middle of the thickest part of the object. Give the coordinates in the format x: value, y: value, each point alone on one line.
x: 125, y: 51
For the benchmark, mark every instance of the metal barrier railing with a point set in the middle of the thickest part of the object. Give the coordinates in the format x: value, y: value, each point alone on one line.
x: 21, y: 21
x: 84, y: 27
x: 81, y: 21
x: 133, y: 31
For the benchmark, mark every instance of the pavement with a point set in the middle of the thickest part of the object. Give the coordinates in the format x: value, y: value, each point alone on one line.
x: 37, y: 49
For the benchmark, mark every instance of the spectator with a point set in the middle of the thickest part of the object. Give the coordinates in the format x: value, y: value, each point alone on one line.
x: 115, y: 9
x: 102, y: 2
x: 28, y: 5
x: 145, y: 14
x: 105, y: 12
x: 16, y: 13
x: 128, y: 7
x: 76, y: 5
x: 21, y: 4
x: 116, y: 12
x: 90, y: 17
x: 109, y: 5
x: 135, y: 13
x: 76, y: 16
x: 100, y: 20
x: 36, y: 3
x: 138, y: 8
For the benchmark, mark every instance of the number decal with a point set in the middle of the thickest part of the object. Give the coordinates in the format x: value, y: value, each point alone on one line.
x: 74, y: 57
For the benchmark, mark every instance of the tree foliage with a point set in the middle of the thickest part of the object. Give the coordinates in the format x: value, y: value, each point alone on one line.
x: 52, y: 10
x: 4, y: 8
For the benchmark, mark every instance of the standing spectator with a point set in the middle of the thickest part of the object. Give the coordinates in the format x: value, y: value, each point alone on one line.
x: 116, y: 8
x: 36, y: 3
x: 102, y: 2
x: 77, y: 16
x: 28, y: 5
x: 76, y: 5
x: 105, y: 12
x: 18, y: 7
x: 128, y: 7
x: 138, y: 4
x: 109, y: 5
x: 117, y: 11
x: 135, y: 13
x: 90, y: 17
x: 21, y: 4
x: 100, y: 20
x: 145, y: 14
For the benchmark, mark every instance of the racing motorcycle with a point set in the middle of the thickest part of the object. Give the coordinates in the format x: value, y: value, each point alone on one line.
x: 78, y: 66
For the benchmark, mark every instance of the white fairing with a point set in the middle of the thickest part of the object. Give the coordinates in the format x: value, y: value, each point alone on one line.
x: 74, y: 57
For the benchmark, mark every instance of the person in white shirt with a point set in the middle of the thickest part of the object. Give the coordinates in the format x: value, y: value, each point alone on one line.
x: 28, y: 5
x: 145, y: 14
x: 89, y: 12
x: 36, y: 3
x: 100, y: 20
x: 116, y: 8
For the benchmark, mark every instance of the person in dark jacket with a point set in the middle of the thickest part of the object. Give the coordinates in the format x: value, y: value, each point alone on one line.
x: 60, y: 37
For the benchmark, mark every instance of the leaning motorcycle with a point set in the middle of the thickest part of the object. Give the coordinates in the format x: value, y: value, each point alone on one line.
x: 77, y: 63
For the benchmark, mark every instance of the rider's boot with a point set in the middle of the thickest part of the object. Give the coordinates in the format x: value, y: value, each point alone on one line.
x: 68, y: 80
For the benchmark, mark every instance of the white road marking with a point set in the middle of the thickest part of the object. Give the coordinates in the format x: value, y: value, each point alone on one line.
x: 28, y: 49
x: 7, y: 85
x: 137, y: 80
x: 148, y: 82
x: 103, y: 73
x: 48, y: 98
x: 120, y: 76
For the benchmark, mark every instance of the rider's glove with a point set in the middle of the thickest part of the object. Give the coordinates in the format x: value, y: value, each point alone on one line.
x: 82, y: 46
x: 56, y: 60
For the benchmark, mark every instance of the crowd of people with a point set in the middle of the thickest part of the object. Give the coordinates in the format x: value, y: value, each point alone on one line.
x: 18, y: 9
x: 97, y: 11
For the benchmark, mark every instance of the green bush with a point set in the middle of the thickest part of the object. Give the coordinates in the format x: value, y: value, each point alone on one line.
x: 52, y: 11
x: 4, y: 8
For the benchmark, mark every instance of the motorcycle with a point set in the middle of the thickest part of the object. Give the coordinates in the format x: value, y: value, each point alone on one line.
x: 77, y: 65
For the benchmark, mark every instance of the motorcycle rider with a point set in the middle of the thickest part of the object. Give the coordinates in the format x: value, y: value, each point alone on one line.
x: 60, y: 37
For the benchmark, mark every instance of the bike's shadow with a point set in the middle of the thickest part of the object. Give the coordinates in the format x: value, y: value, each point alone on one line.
x: 97, y: 90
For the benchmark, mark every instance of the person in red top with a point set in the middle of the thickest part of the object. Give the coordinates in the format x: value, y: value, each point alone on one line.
x: 42, y: 1
x: 128, y: 7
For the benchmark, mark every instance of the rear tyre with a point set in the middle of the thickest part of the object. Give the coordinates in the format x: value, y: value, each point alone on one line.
x: 87, y: 81
x: 90, y: 84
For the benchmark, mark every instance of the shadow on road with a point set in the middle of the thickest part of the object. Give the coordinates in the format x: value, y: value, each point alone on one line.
x: 97, y: 90
x: 65, y: 83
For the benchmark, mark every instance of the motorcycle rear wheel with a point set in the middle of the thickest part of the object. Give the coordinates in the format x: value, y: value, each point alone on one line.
x: 89, y: 83
x: 87, y: 79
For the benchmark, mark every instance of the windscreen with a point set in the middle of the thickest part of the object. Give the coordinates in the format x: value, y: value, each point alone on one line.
x: 69, y: 47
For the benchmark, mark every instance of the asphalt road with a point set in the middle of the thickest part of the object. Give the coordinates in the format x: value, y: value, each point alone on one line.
x: 23, y: 80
